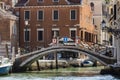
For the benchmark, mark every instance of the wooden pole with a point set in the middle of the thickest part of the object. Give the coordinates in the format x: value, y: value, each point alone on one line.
x: 56, y: 60
x: 6, y: 46
x: 38, y: 66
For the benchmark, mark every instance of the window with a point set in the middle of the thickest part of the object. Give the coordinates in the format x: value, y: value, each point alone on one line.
x: 55, y: 15
x: 40, y: 34
x: 17, y: 13
x: 40, y: 1
x: 40, y: 15
x: 27, y: 15
x: 73, y: 15
x: 115, y: 12
x: 27, y: 35
x: 111, y: 11
x: 92, y: 6
x: 55, y: 0
x: 55, y: 32
x: 86, y: 36
x: 2, y: 5
x: 93, y: 21
x: 0, y: 38
x: 73, y: 33
x: 14, y: 29
x: 81, y: 36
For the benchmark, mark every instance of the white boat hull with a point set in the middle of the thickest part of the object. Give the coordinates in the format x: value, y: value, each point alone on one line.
x: 5, y: 69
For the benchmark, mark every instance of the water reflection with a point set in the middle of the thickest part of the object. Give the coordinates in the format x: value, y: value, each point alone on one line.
x: 37, y: 76
x: 62, y: 74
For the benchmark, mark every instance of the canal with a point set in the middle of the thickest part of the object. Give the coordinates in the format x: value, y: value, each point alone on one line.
x: 89, y: 73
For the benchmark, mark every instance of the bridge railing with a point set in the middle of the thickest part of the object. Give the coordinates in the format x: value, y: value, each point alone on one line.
x: 99, y: 49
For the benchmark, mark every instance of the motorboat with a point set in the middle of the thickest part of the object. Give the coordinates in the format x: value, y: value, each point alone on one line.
x: 87, y: 63
x: 5, y: 65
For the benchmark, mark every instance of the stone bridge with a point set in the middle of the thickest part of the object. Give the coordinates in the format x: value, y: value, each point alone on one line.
x: 23, y: 62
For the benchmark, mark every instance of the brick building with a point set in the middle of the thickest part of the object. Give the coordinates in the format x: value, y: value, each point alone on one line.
x: 41, y: 20
x: 8, y: 32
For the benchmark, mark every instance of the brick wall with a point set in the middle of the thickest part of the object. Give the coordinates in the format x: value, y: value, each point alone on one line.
x: 84, y: 19
x: 4, y: 29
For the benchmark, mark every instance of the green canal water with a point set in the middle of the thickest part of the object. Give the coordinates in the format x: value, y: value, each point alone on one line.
x: 91, y: 73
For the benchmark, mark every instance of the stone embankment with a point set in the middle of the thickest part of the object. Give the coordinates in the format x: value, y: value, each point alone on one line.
x: 51, y: 64
x: 48, y: 64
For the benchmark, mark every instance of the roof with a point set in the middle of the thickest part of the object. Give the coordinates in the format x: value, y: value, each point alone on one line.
x: 21, y: 3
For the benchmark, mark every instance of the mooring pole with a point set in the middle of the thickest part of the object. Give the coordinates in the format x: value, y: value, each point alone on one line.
x: 56, y: 54
x: 56, y: 60
x: 38, y: 65
x: 6, y: 46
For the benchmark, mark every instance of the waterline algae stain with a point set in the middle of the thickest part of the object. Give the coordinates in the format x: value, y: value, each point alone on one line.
x: 61, y: 74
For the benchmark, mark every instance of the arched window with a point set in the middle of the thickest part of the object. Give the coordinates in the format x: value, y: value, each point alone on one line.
x: 92, y: 6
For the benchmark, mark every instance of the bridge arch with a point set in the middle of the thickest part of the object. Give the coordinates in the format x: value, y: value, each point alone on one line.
x: 37, y: 54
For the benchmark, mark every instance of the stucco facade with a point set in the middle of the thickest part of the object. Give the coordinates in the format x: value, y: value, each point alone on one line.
x: 112, y: 21
x: 97, y: 17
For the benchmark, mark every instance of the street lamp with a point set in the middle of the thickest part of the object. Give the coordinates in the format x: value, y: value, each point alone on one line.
x: 26, y: 46
x: 114, y: 31
x: 104, y: 28
x: 103, y: 23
